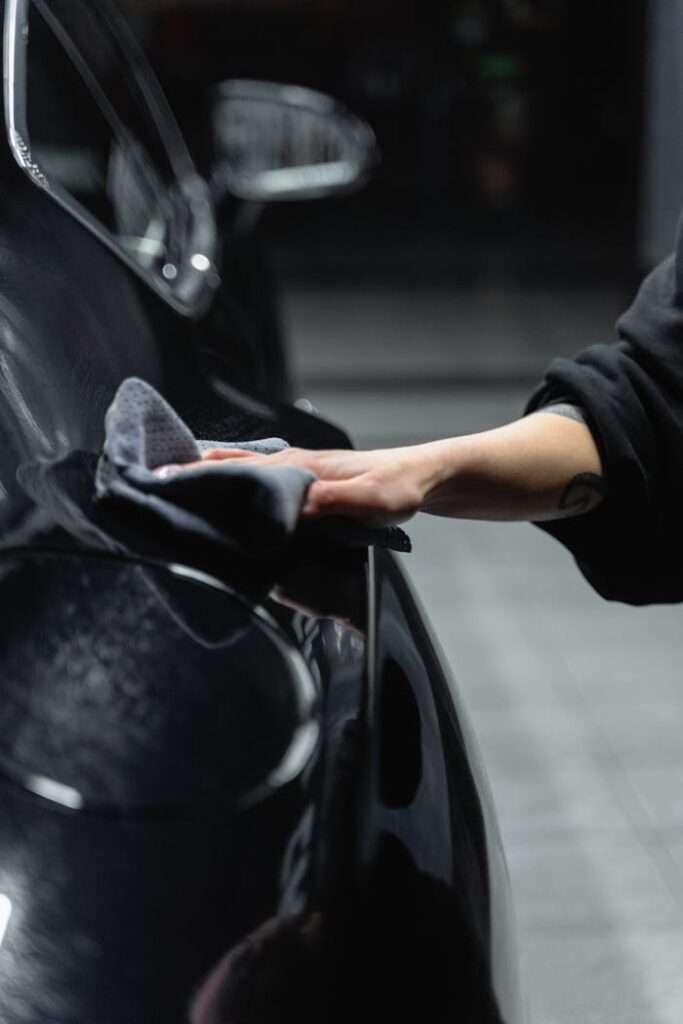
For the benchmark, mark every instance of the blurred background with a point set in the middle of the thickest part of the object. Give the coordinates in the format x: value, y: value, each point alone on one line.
x: 511, y: 131
x: 532, y: 171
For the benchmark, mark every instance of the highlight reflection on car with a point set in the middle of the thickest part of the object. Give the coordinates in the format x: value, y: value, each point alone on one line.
x: 219, y: 802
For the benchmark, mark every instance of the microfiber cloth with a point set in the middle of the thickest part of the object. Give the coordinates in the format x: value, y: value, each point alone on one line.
x: 249, y: 510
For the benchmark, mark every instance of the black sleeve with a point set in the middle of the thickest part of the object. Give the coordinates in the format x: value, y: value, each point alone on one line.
x: 630, y: 548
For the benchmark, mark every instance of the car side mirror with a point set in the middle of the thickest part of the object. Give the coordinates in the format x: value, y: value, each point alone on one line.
x: 276, y: 143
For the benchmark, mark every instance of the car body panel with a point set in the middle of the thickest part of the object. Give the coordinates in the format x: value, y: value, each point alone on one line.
x: 212, y: 801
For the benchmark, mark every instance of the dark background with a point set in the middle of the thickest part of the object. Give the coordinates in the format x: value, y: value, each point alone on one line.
x: 511, y: 131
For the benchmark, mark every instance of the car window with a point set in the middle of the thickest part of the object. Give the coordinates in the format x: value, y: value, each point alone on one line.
x: 91, y: 127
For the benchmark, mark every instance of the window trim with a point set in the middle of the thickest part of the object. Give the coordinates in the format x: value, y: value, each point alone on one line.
x: 190, y: 291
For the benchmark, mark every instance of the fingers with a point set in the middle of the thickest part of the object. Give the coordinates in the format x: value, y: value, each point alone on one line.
x: 340, y: 497
x: 289, y: 456
x: 173, y: 469
x: 220, y: 454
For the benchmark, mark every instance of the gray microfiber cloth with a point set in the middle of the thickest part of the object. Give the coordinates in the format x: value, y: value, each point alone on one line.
x: 249, y: 510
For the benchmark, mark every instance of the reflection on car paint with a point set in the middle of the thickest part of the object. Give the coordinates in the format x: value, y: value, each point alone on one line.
x: 225, y: 789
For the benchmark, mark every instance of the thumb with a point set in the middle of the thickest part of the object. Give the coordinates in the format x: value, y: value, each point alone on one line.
x: 339, y: 497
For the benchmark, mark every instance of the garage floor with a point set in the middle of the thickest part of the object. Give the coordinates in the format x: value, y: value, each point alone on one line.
x: 578, y: 704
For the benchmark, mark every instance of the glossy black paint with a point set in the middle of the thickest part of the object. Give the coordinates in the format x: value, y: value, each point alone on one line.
x: 211, y: 809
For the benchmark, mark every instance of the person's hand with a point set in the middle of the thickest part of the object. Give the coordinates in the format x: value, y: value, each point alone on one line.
x: 379, y: 487
x: 543, y: 466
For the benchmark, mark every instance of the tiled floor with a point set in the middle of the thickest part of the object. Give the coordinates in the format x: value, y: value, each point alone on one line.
x: 578, y: 704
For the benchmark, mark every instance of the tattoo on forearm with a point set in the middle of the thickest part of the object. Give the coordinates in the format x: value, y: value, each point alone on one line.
x: 566, y: 409
x: 583, y: 492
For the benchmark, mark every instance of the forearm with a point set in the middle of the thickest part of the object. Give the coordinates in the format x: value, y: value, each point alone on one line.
x: 544, y: 466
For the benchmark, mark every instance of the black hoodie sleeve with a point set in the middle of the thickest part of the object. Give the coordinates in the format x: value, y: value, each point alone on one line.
x: 630, y: 548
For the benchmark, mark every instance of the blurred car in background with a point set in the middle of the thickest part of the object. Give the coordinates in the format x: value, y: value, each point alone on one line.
x: 213, y: 806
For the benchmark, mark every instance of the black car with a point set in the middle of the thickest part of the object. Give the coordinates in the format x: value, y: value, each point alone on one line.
x: 215, y: 805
